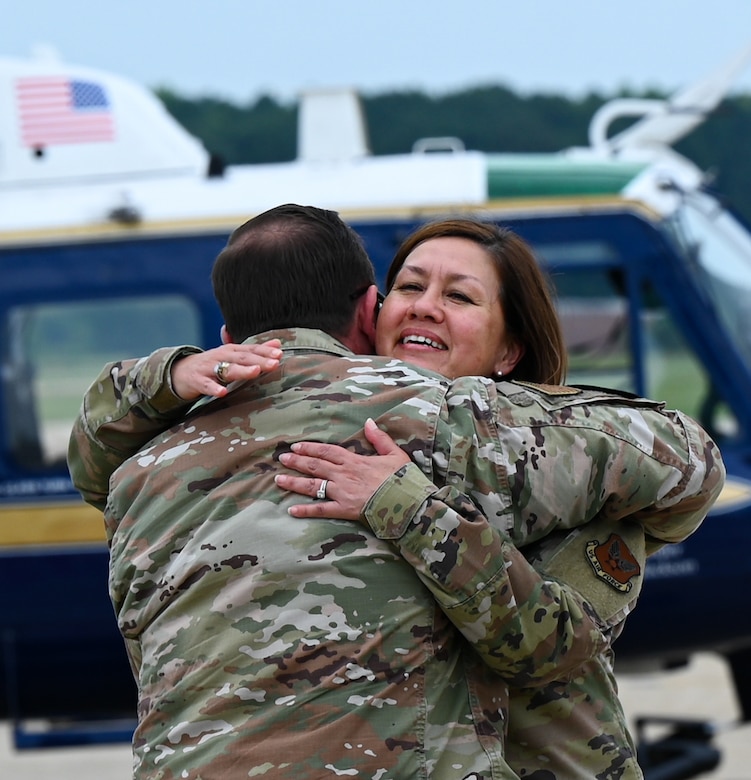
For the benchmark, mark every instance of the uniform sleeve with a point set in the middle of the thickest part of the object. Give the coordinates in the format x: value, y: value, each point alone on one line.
x: 610, y: 460
x: 528, y: 628
x: 681, y: 504
x: 125, y: 407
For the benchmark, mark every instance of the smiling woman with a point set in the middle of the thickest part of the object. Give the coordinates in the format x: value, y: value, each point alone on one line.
x: 433, y: 312
x: 469, y: 298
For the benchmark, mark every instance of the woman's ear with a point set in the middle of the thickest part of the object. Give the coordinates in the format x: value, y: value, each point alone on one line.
x: 510, y: 355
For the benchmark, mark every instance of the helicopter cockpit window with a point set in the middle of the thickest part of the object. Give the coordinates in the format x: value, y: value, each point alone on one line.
x: 594, y: 311
x: 623, y: 336
x: 594, y: 319
x: 722, y: 251
x: 676, y: 375
x: 52, y: 353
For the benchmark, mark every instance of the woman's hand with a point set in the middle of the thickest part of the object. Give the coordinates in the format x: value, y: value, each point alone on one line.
x: 195, y: 375
x: 351, y: 479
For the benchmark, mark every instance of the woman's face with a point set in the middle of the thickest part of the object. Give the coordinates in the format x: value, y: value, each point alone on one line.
x: 443, y: 312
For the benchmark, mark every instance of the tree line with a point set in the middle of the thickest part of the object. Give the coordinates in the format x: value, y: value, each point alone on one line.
x: 486, y: 118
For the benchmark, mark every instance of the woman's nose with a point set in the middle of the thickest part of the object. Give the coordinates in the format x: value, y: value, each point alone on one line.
x: 427, y: 306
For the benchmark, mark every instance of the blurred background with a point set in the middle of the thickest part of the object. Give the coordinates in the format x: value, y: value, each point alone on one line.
x: 501, y: 76
x: 239, y: 50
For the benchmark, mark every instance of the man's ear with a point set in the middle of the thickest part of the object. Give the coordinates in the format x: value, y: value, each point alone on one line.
x: 360, y: 336
x: 367, y: 312
x: 226, y: 338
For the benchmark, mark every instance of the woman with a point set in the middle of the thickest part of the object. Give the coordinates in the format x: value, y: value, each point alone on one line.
x: 477, y: 284
x: 510, y: 290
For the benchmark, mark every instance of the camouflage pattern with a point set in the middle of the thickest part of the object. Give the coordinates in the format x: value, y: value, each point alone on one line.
x: 572, y: 729
x: 267, y: 645
x: 127, y: 405
x: 612, y: 464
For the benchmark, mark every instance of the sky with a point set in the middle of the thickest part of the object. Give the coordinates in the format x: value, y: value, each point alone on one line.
x: 241, y: 49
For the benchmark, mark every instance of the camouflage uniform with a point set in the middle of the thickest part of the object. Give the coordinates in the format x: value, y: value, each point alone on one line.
x: 269, y: 645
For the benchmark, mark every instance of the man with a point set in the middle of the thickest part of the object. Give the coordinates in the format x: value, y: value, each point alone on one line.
x: 263, y: 644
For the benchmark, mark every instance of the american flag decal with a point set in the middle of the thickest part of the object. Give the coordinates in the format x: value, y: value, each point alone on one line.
x: 58, y: 110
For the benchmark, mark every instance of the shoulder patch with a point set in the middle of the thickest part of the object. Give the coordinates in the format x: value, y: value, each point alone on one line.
x: 612, y: 391
x: 613, y: 562
x: 550, y: 389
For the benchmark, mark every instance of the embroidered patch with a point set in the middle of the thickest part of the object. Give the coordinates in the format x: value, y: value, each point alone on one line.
x: 550, y: 389
x: 613, y: 562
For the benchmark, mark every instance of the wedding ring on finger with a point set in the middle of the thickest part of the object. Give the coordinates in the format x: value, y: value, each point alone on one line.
x: 321, y: 494
x: 220, y: 372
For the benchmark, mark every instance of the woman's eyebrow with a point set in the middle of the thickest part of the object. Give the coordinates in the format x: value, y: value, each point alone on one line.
x: 453, y: 277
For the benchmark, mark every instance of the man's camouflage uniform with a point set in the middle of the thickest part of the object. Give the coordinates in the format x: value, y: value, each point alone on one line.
x: 265, y: 645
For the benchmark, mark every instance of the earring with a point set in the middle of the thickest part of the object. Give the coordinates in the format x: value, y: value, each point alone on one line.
x: 498, y: 375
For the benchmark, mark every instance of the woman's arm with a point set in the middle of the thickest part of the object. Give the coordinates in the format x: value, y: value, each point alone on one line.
x: 352, y: 479
x: 131, y: 401
x: 528, y: 627
x: 408, y: 509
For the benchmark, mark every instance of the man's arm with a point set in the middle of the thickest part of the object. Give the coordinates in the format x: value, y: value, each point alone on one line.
x: 570, y: 456
x: 578, y: 480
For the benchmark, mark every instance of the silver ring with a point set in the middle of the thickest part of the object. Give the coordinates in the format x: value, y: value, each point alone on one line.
x: 321, y: 494
x: 220, y: 369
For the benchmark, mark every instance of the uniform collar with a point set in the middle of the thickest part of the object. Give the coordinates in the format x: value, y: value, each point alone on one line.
x: 303, y: 340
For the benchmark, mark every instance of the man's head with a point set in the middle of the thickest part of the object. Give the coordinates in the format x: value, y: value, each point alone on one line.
x: 295, y: 266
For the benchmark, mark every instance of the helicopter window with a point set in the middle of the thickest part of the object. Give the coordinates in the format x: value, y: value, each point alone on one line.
x: 594, y: 317
x: 596, y: 335
x: 676, y: 375
x: 598, y: 327
x: 577, y: 253
x: 722, y: 249
x: 52, y: 353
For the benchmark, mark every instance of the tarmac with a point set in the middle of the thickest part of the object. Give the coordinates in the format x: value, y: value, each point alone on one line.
x: 701, y: 690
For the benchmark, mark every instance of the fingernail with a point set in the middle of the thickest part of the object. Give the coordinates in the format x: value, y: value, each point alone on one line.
x: 283, y: 458
x: 295, y: 447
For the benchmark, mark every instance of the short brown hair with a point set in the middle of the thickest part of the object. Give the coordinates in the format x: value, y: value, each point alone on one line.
x: 291, y: 266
